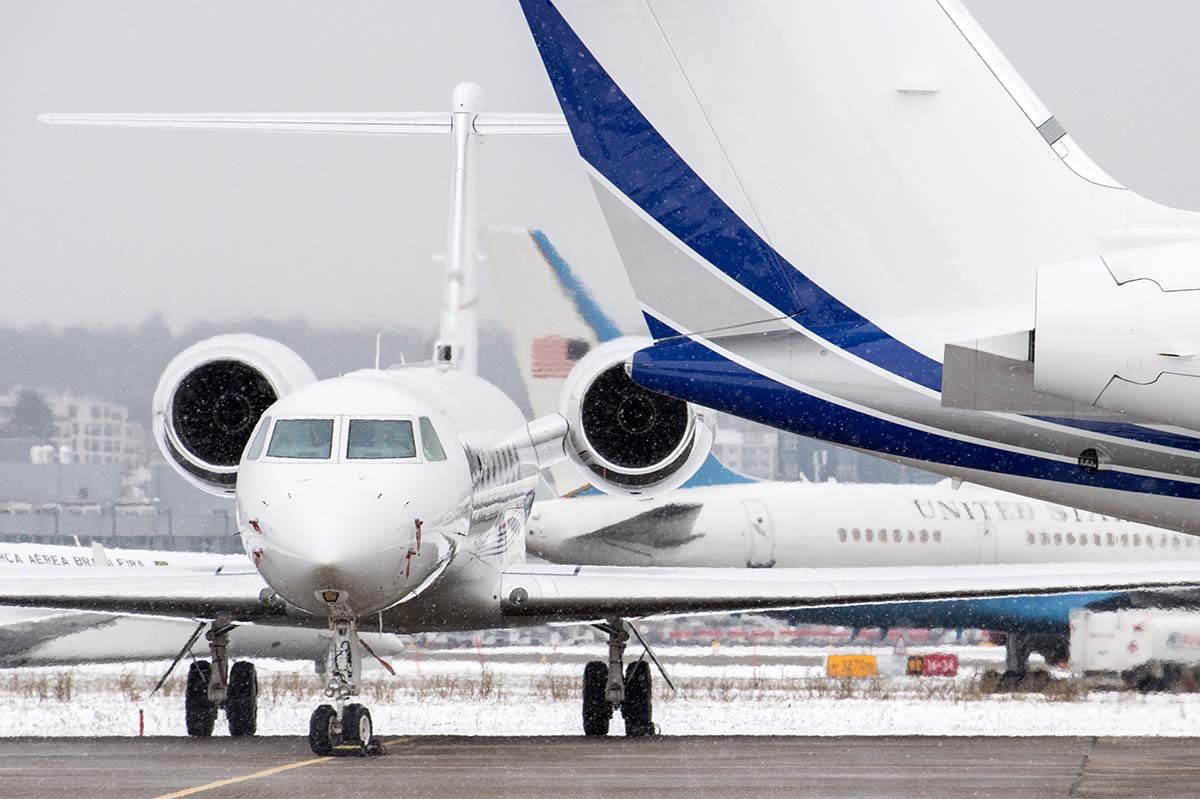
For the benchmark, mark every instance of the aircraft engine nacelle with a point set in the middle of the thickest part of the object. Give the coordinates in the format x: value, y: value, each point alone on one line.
x: 625, y: 439
x: 1122, y: 332
x: 211, y: 396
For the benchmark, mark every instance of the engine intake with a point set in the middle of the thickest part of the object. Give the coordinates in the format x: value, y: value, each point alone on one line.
x: 624, y: 438
x: 211, y: 396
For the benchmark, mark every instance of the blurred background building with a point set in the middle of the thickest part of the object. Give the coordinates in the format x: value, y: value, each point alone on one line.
x: 769, y: 454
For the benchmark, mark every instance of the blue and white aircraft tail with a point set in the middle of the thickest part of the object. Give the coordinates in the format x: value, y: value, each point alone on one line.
x: 851, y: 225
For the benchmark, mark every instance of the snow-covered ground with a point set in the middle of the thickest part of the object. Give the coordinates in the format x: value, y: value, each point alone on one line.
x: 534, y: 691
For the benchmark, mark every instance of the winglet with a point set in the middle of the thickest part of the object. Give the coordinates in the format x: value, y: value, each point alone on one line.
x: 99, y: 556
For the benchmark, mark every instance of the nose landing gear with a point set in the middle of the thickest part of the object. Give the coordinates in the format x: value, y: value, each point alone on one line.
x: 608, y: 686
x: 342, y: 728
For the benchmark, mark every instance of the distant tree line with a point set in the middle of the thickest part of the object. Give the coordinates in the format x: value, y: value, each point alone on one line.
x: 31, y: 417
x: 123, y: 364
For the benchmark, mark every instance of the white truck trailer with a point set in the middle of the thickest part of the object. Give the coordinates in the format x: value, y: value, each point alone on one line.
x: 1150, y: 649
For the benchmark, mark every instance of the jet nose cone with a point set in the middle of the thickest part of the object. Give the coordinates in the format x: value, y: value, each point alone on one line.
x: 352, y: 538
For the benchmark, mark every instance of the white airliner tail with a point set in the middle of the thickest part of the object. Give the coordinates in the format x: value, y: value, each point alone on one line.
x: 553, y: 321
x: 552, y: 317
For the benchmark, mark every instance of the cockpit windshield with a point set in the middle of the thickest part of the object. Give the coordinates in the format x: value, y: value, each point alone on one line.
x: 302, y: 438
x: 381, y: 438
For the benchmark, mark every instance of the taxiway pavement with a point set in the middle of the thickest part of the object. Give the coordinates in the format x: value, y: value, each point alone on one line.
x: 443, y: 767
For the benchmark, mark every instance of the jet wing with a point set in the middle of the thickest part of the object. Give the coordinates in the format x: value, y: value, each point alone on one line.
x: 589, y: 592
x: 158, y: 591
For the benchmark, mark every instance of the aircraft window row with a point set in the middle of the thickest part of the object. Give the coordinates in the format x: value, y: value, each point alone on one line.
x: 1150, y: 541
x: 364, y: 439
x: 897, y: 536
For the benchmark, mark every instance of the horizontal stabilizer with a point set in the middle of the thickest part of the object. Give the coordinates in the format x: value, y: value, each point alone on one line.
x: 398, y: 123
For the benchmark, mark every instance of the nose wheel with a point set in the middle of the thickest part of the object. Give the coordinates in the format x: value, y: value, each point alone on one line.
x: 343, y: 728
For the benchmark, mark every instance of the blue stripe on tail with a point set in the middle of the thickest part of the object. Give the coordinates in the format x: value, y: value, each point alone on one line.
x: 615, y: 138
x: 593, y: 315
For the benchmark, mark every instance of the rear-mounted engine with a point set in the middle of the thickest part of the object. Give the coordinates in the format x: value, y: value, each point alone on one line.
x: 625, y: 439
x: 211, y: 396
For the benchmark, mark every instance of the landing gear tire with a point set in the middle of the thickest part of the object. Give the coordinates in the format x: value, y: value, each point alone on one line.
x: 637, y: 709
x: 321, y: 735
x: 241, y: 703
x: 597, y: 710
x: 356, y: 726
x: 199, y: 713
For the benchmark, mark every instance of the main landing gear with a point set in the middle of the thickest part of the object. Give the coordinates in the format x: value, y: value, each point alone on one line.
x: 342, y: 728
x: 608, y: 686
x: 1017, y: 676
x: 214, y: 685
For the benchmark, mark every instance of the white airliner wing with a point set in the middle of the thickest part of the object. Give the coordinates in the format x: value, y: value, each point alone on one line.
x: 242, y: 596
x: 23, y: 633
x: 396, y: 123
x: 588, y: 592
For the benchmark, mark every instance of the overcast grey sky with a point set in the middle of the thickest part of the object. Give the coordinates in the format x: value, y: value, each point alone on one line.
x: 110, y: 225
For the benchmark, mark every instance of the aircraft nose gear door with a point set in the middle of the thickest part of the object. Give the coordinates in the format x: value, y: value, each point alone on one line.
x: 762, y: 535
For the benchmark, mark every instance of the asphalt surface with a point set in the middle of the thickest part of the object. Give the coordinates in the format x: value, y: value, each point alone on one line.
x: 530, y: 768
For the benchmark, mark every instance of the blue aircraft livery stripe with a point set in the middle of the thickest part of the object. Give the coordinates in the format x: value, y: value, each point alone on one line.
x: 1038, y: 613
x: 620, y: 143
x: 682, y: 367
x: 593, y: 315
x: 1132, y: 432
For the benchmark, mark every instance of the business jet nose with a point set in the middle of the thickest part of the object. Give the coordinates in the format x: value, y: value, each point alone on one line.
x: 344, y: 544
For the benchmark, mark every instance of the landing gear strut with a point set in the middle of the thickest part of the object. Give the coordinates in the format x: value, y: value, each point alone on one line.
x: 342, y: 728
x: 1016, y: 655
x: 608, y: 686
x: 214, y: 685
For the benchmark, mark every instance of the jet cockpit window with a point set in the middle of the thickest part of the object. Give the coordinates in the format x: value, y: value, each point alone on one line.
x: 431, y: 445
x: 260, y: 438
x: 381, y: 439
x: 311, y: 439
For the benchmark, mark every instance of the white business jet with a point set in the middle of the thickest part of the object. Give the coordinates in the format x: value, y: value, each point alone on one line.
x: 857, y: 223
x: 397, y: 499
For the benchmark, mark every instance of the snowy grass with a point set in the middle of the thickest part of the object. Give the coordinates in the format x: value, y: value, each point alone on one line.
x: 534, y: 693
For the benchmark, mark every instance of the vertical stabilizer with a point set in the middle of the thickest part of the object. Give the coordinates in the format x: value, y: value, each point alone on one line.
x: 458, y: 332
x: 879, y: 179
x: 551, y: 316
